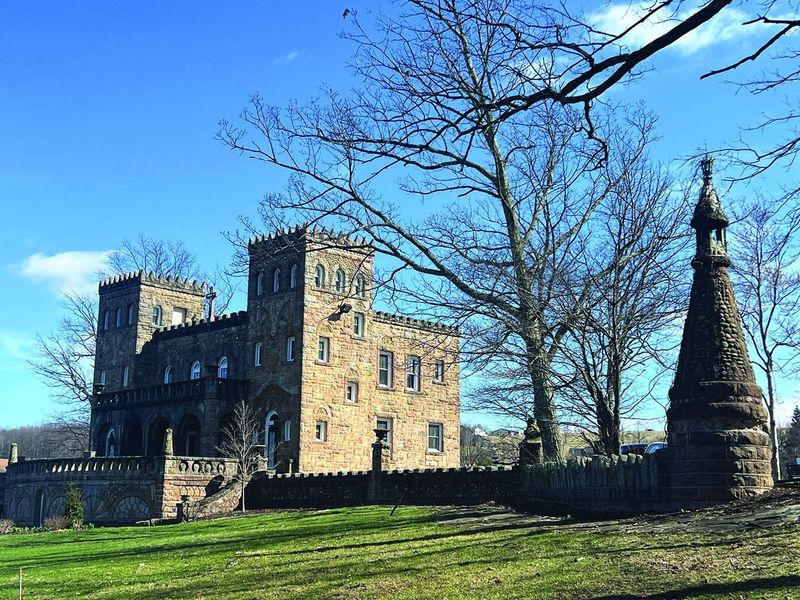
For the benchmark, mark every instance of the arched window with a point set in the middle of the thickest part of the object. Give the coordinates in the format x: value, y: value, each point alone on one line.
x: 118, y: 321
x: 106, y: 321
x: 222, y: 368
x: 110, y: 444
x: 157, y: 315
x: 260, y: 283
x: 276, y: 280
x: 319, y: 276
x: 360, y: 285
x: 196, y: 370
x: 339, y: 280
x: 131, y: 314
x: 293, y: 277
x: 169, y: 376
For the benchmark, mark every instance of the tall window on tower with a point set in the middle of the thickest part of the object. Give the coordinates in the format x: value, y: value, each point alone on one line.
x: 126, y: 373
x: 276, y: 280
x: 119, y: 317
x: 131, y: 314
x: 260, y: 283
x: 293, y: 277
x: 340, y: 282
x: 257, y: 357
x: 222, y: 368
x: 319, y: 276
x: 359, y: 285
x: 157, y: 315
x: 196, y: 370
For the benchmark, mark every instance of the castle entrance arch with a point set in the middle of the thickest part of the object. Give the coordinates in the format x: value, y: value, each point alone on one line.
x: 272, y: 438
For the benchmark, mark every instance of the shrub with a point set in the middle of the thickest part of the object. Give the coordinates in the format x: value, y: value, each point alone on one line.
x: 73, y: 507
x: 56, y: 523
x: 6, y: 525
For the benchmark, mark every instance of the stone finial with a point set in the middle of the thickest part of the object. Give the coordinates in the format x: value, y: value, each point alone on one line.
x: 13, y: 455
x: 707, y: 166
x: 168, y: 447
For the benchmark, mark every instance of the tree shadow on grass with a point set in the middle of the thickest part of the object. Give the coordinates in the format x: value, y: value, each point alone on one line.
x: 787, y: 582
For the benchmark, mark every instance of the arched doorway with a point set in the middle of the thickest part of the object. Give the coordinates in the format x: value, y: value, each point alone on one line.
x: 132, y: 438
x: 188, y: 441
x: 107, y: 441
x: 157, y: 433
x: 271, y: 442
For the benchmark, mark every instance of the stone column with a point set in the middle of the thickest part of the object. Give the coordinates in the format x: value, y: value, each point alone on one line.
x: 168, y: 447
x: 13, y: 456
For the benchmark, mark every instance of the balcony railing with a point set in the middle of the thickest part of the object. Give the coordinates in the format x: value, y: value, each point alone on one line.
x: 168, y: 392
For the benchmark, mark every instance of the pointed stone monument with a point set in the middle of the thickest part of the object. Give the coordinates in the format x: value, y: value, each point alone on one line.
x: 717, y: 424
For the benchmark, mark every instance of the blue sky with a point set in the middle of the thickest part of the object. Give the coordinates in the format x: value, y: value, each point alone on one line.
x: 107, y: 117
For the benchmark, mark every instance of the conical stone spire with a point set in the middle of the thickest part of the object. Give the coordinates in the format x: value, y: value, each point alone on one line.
x: 717, y: 423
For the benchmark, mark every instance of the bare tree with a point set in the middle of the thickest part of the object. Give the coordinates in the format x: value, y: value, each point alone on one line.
x: 767, y: 274
x: 239, y: 442
x: 506, y: 197
x: 476, y: 449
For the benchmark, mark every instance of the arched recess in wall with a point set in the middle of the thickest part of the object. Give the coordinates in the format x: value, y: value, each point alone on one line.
x: 107, y: 441
x: 156, y: 434
x: 132, y: 438
x: 188, y: 438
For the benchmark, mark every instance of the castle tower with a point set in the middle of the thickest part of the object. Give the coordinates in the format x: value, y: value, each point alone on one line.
x: 717, y: 423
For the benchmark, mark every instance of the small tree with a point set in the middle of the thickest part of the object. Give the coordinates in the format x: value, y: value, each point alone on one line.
x: 73, y: 508
x: 239, y: 441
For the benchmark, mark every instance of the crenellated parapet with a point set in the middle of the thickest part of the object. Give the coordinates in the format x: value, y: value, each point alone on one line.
x: 201, y: 325
x: 150, y: 278
x: 404, y: 321
x: 301, y: 237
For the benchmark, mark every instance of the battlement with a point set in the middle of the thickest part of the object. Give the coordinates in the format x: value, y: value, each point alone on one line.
x: 383, y: 317
x: 201, y: 325
x: 298, y: 238
x: 162, y: 281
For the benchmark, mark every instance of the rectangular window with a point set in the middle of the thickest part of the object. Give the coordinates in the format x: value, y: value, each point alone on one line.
x: 287, y: 431
x: 438, y: 372
x: 385, y: 423
x: 413, y: 368
x: 358, y: 324
x: 290, y: 349
x: 125, y: 374
x: 257, y: 357
x: 321, y: 431
x: 103, y: 376
x: 324, y: 349
x: 385, y: 360
x: 435, y: 437
x: 352, y: 391
x: 178, y: 316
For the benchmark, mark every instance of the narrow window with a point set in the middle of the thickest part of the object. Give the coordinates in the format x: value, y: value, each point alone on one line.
x: 359, y: 285
x: 196, y: 370
x: 290, y: 349
x: 385, y: 423
x: 118, y: 321
x: 168, y: 374
x: 413, y: 373
x: 352, y: 391
x: 438, y: 371
x: 385, y: 369
x: 319, y: 276
x: 435, y: 437
x: 131, y: 314
x: 106, y: 321
x: 276, y: 280
x: 157, y: 315
x: 222, y: 368
x: 321, y: 431
x: 287, y: 431
x: 293, y: 277
x: 257, y: 357
x: 103, y: 376
x: 260, y: 283
x: 324, y: 349
x: 125, y: 375
x: 339, y: 280
x: 358, y: 324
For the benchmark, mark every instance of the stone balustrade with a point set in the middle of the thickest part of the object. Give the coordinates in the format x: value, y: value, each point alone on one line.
x: 179, y: 390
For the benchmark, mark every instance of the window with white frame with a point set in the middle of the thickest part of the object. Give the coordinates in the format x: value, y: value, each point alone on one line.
x: 118, y: 322
x: 321, y: 431
x: 385, y: 375
x: 169, y: 374
x: 438, y: 371
x: 276, y: 280
x: 126, y: 372
x: 131, y: 314
x: 340, y: 281
x: 290, y: 349
x: 196, y: 370
x: 293, y: 277
x: 324, y: 349
x: 413, y: 372
x: 385, y: 423
x: 222, y: 368
x: 157, y: 315
x: 260, y: 283
x: 319, y: 276
x: 359, y: 285
x: 257, y: 355
x: 358, y: 324
x: 287, y: 431
x: 351, y: 391
x: 435, y: 441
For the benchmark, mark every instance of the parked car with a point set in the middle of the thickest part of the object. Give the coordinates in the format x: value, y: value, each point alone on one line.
x: 655, y: 447
x: 632, y: 448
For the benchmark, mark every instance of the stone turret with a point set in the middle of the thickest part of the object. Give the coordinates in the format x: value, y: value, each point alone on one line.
x: 717, y: 423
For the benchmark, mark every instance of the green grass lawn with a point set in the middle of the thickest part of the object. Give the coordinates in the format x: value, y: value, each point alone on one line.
x: 366, y: 553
